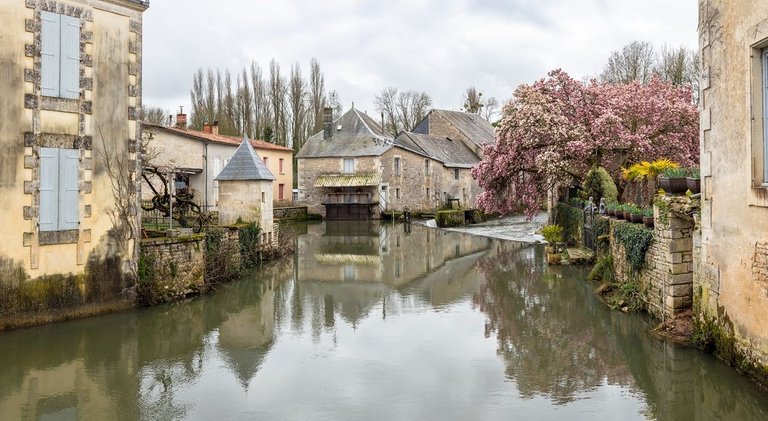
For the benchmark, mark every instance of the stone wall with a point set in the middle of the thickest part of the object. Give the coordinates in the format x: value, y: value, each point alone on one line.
x: 171, y: 268
x: 290, y: 212
x: 666, y: 281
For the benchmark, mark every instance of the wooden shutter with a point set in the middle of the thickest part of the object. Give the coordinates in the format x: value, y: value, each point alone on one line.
x: 50, y: 51
x: 70, y: 57
x: 49, y: 189
x: 69, y: 191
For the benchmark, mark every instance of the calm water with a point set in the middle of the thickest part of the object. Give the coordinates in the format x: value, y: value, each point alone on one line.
x: 374, y: 322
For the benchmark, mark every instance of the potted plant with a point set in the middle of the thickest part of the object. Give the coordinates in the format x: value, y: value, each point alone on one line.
x: 648, y: 217
x: 553, y: 234
x: 626, y: 212
x: 693, y: 181
x: 636, y: 214
x: 673, y: 180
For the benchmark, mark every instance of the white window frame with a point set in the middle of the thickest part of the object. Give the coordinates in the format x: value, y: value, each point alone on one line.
x: 348, y: 165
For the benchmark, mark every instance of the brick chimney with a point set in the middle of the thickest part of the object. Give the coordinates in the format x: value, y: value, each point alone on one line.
x: 181, y: 119
x: 215, y: 128
x: 207, y: 128
x: 327, y: 123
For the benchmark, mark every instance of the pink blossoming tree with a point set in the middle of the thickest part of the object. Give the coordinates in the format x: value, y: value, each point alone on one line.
x: 553, y: 131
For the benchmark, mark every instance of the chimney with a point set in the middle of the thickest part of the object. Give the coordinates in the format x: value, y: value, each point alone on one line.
x: 207, y: 128
x: 181, y: 119
x: 327, y: 123
x: 215, y: 127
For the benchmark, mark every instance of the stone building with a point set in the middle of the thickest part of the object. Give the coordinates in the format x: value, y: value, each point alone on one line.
x: 356, y: 170
x: 731, y: 257
x: 199, y: 156
x: 245, y: 191
x: 71, y: 94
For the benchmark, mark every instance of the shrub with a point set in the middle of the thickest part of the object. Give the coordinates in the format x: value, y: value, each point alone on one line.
x: 636, y: 240
x: 572, y: 220
x: 603, y: 270
x: 599, y: 184
x: 449, y: 218
x: 553, y: 234
x: 674, y: 172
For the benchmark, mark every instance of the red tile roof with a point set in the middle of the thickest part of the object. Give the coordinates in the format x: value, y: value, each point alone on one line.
x: 218, y: 138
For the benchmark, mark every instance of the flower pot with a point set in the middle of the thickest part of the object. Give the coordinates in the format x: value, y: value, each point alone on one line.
x: 627, y: 216
x: 648, y: 221
x: 609, y: 212
x: 550, y: 250
x: 636, y: 218
x: 677, y: 185
x: 554, y: 258
x: 693, y: 184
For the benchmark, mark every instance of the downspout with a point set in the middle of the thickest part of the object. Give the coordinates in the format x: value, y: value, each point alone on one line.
x: 205, y: 166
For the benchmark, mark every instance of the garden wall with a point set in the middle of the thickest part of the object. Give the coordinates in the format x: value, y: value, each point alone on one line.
x: 295, y: 212
x: 666, y: 276
x: 171, y: 268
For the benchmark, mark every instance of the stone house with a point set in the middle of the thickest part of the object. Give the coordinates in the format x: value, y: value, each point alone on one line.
x: 71, y: 95
x: 731, y: 256
x: 199, y: 157
x: 245, y: 191
x: 356, y: 170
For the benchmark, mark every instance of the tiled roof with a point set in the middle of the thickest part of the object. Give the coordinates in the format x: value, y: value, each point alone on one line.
x: 245, y: 164
x: 348, y: 180
x: 218, y: 138
x: 354, y: 134
x: 452, y: 153
x: 477, y: 129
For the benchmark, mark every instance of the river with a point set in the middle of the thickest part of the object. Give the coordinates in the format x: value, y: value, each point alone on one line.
x: 374, y: 322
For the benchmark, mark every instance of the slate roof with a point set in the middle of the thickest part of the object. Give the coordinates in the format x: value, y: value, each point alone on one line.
x: 217, y: 138
x: 452, y: 153
x: 360, y: 135
x: 245, y: 164
x: 477, y: 129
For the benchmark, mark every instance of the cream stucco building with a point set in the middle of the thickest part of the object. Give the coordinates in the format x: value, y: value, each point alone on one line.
x: 731, y: 273
x: 199, y: 157
x: 71, y: 95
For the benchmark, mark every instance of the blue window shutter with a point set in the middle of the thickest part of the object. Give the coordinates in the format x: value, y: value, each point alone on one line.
x: 50, y: 52
x: 49, y: 189
x: 69, y: 191
x: 70, y: 57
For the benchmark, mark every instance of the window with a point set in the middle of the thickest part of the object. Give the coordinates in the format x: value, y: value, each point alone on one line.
x: 263, y: 197
x: 426, y: 167
x: 266, y: 161
x: 349, y: 272
x: 455, y: 173
x: 349, y: 165
x: 269, y: 237
x: 59, y: 191
x: 397, y: 166
x: 60, y: 55
x: 427, y: 192
x: 280, y: 191
x: 263, y: 237
x: 281, y: 169
x: 397, y: 193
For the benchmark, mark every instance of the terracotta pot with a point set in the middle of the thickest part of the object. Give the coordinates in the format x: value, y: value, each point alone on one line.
x: 677, y: 185
x: 648, y: 221
x: 609, y: 212
x: 636, y: 218
x: 554, y: 258
x: 627, y: 216
x: 693, y: 184
x: 664, y: 183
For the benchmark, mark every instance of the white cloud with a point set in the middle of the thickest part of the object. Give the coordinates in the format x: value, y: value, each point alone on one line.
x: 437, y: 46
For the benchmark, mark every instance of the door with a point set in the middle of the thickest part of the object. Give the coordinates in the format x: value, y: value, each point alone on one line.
x: 384, y: 197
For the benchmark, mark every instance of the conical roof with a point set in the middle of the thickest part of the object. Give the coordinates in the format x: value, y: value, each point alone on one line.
x: 245, y: 164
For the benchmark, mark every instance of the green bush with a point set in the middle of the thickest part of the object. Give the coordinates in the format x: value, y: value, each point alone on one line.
x: 599, y: 184
x: 249, y: 241
x: 636, y: 240
x: 572, y: 221
x: 553, y: 234
x: 603, y: 270
x: 449, y: 218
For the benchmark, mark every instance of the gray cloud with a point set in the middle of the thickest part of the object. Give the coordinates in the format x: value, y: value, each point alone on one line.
x: 436, y: 46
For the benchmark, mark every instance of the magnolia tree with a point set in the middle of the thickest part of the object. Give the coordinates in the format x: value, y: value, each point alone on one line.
x: 553, y: 131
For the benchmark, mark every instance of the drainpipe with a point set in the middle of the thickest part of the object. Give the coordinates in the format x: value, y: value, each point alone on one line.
x: 205, y: 167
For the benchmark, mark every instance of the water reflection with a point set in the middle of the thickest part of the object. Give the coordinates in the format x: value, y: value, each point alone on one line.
x: 371, y: 321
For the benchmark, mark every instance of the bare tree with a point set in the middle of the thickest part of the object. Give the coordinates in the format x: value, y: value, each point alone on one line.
x: 386, y: 103
x: 277, y: 100
x: 244, y: 106
x: 473, y: 101
x: 155, y: 115
x: 335, y: 103
x: 297, y: 103
x: 261, y: 108
x: 316, y: 96
x: 634, y: 62
x: 490, y: 109
x: 402, y: 109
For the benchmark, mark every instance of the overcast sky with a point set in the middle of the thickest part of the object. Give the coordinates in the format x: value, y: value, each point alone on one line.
x: 440, y: 47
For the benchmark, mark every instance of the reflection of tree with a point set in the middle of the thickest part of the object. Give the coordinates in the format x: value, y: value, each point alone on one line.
x: 550, y: 342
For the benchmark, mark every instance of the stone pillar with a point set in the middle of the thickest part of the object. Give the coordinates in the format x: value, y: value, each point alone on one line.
x: 675, y: 230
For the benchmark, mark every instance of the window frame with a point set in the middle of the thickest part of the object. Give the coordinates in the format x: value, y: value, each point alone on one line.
x: 281, y: 165
x: 426, y: 167
x: 344, y: 168
x: 397, y: 166
x: 59, y: 190
x: 60, y: 55
x: 456, y: 174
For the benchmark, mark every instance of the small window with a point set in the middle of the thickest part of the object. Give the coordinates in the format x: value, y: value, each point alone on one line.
x: 397, y: 166
x: 426, y: 167
x: 60, y: 55
x: 263, y: 237
x: 280, y: 191
x: 349, y: 165
x: 427, y: 192
x: 263, y: 197
x: 455, y: 173
x: 397, y: 193
x: 266, y: 161
x: 269, y: 237
x: 59, y: 190
x: 349, y: 272
x: 281, y: 168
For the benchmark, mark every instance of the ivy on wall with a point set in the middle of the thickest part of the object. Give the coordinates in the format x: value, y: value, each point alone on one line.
x: 571, y: 219
x: 636, y: 240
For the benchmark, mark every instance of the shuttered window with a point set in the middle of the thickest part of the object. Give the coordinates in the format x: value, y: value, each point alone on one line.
x: 60, y: 52
x: 59, y: 190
